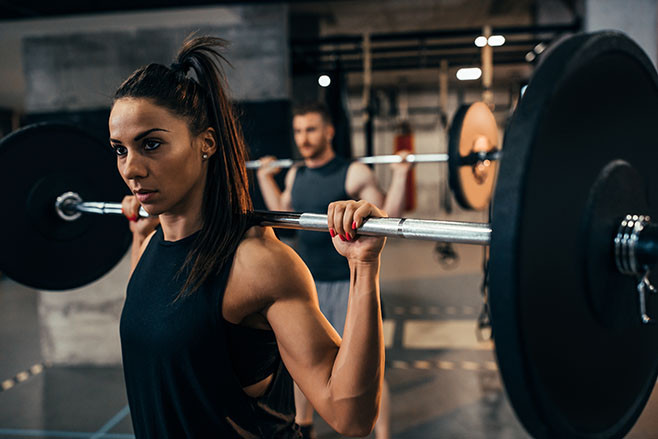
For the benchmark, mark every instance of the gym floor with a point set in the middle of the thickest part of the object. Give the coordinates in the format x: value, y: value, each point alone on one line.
x: 444, y: 383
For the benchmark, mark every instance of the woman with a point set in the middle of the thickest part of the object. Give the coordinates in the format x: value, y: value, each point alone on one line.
x: 219, y: 314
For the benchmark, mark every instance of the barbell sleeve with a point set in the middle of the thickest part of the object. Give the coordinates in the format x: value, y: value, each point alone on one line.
x: 101, y: 207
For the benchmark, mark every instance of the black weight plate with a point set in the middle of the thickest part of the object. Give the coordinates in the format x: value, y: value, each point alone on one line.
x: 470, y: 123
x: 592, y: 100
x: 38, y: 248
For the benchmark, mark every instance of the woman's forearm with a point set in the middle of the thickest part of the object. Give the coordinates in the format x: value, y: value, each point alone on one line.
x: 358, y: 370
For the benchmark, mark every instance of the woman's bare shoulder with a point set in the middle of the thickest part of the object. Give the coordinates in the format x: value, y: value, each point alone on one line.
x: 265, y: 269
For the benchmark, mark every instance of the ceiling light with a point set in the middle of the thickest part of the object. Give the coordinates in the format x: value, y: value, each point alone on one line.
x: 496, y: 40
x: 324, y: 80
x: 481, y: 41
x: 469, y: 73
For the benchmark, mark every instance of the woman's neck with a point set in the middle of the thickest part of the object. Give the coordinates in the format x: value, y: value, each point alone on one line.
x: 176, y: 227
x: 184, y: 219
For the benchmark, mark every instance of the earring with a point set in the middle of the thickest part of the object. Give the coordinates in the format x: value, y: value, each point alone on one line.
x: 204, y: 156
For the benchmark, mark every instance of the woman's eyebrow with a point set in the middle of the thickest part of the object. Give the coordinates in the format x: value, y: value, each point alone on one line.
x: 141, y: 135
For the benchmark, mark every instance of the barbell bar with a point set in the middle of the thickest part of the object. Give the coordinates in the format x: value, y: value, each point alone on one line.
x: 568, y: 270
x: 70, y: 206
x: 467, y: 160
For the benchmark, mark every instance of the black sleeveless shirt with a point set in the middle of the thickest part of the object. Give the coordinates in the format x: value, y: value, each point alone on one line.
x: 179, y: 358
x: 312, y: 191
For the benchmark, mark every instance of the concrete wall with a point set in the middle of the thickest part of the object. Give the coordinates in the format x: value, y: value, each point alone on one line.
x: 75, y: 64
x: 109, y: 46
x: 637, y: 18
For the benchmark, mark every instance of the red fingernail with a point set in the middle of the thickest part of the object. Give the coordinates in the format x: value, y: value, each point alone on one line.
x: 342, y: 238
x: 353, y: 225
x: 332, y: 232
x: 134, y: 218
x: 347, y: 236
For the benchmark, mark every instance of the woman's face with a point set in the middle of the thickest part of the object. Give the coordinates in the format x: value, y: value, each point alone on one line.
x: 158, y: 157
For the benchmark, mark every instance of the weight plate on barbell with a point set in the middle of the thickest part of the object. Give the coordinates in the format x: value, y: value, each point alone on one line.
x: 39, y: 249
x: 473, y: 129
x: 593, y: 100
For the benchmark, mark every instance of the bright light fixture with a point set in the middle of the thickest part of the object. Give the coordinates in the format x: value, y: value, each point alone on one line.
x: 493, y: 41
x: 324, y: 80
x: 496, y: 40
x: 481, y: 41
x: 469, y: 73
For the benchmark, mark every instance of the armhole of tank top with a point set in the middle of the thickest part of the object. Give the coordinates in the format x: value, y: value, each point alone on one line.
x: 141, y: 257
x: 294, y: 182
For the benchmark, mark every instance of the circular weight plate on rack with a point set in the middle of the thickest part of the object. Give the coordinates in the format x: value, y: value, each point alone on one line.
x: 473, y: 128
x: 37, y: 247
x: 592, y: 100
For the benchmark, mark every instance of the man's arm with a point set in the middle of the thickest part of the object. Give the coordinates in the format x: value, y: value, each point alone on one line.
x: 361, y: 184
x: 274, y: 198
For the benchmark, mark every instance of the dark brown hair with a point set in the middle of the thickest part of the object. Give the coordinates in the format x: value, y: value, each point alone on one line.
x: 313, y: 107
x: 200, y: 98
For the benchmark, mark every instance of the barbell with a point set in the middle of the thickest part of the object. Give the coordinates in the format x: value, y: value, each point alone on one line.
x: 387, y: 159
x: 571, y: 239
x: 472, y: 156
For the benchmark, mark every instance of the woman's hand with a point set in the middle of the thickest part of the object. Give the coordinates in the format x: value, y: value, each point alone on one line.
x: 344, y: 219
x: 139, y: 226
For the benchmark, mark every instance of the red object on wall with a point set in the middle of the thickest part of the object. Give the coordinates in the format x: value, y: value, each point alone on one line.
x: 405, y: 142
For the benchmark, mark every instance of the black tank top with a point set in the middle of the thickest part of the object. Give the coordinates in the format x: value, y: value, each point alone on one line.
x: 180, y: 375
x: 312, y: 191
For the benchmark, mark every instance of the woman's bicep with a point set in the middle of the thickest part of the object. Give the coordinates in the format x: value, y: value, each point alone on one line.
x: 307, y: 341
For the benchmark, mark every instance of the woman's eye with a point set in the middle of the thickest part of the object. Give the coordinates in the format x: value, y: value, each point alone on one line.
x: 151, y: 144
x: 119, y: 150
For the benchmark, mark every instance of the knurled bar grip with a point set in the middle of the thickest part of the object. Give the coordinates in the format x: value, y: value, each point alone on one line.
x: 427, y: 230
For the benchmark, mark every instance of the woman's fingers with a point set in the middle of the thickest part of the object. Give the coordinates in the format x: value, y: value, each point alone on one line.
x: 130, y: 207
x: 345, y: 217
x: 338, y: 213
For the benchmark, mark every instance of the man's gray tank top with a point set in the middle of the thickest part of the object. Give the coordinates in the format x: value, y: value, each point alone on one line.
x: 312, y: 191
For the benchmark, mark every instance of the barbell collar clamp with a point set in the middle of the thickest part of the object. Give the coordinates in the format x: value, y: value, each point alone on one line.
x: 636, y: 251
x: 476, y: 157
x: 69, y: 206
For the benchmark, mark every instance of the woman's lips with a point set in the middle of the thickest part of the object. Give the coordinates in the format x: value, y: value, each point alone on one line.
x: 144, y: 196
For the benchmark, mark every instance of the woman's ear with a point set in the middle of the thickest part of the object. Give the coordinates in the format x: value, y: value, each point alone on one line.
x: 208, y: 141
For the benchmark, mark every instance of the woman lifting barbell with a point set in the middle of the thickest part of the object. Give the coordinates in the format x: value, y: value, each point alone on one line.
x: 218, y: 312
